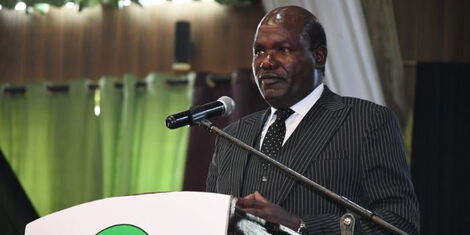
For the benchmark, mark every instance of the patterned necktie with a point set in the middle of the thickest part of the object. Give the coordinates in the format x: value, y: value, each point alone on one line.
x: 272, y: 142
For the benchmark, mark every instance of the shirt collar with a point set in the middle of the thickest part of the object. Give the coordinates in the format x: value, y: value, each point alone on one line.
x: 303, y: 106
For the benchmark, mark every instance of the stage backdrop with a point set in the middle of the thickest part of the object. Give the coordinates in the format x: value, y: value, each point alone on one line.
x: 64, y: 154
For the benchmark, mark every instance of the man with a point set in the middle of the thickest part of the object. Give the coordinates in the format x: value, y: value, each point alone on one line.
x: 348, y: 145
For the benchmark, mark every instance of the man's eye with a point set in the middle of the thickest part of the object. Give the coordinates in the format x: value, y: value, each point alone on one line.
x: 258, y: 52
x: 285, y: 49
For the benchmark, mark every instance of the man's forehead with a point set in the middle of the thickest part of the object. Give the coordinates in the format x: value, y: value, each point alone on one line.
x: 273, y: 19
x: 289, y: 16
x: 284, y: 23
x: 273, y: 30
x: 272, y: 35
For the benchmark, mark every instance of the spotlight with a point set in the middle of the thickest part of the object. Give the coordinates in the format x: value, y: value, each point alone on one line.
x: 180, y: 1
x: 20, y: 6
x: 151, y: 2
x: 70, y: 5
x: 126, y: 3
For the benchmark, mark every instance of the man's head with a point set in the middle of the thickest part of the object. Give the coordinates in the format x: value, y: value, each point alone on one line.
x: 289, y: 55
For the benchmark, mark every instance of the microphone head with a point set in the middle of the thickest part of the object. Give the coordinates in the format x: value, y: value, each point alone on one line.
x: 229, y: 105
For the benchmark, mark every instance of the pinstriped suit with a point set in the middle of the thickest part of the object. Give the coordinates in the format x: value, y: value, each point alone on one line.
x: 348, y: 145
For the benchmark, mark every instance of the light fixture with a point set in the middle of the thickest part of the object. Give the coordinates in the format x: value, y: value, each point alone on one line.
x: 181, y: 1
x: 97, y: 101
x: 97, y: 111
x: 70, y: 5
x: 0, y: 7
x: 151, y: 2
x: 40, y: 7
x: 126, y: 3
x: 20, y: 6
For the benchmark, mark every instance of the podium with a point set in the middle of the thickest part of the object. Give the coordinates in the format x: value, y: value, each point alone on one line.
x: 155, y: 213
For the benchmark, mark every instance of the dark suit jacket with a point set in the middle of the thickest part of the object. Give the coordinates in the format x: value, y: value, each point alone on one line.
x: 351, y: 146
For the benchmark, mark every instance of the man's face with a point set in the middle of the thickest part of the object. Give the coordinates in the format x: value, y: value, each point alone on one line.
x: 282, y: 64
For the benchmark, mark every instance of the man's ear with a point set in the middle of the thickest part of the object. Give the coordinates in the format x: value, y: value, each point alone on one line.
x: 320, y: 56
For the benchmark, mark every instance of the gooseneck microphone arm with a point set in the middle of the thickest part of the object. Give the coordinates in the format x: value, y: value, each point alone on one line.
x: 341, y: 200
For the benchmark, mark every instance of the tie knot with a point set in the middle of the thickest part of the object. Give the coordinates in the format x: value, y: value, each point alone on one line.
x: 283, y: 114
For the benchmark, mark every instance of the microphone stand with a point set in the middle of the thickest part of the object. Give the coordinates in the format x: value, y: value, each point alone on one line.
x: 355, y: 208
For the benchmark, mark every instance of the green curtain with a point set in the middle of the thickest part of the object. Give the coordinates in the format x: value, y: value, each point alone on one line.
x: 63, y: 154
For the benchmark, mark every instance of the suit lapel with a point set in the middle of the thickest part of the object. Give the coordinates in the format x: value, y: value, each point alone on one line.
x: 250, y: 130
x: 310, y: 138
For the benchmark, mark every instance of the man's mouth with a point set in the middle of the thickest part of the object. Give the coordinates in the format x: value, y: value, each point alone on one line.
x: 269, y: 79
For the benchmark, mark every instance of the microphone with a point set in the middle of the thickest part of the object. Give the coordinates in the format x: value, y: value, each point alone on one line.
x: 224, y: 106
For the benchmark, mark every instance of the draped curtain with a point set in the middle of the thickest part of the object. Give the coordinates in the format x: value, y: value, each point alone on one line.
x: 441, y: 135
x: 63, y: 154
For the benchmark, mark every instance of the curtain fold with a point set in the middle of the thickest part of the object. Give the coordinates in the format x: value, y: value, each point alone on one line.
x: 50, y: 142
x: 63, y: 154
x: 162, y: 151
x: 441, y: 135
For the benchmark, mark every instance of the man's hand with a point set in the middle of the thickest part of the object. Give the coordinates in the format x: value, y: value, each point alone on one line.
x: 257, y: 205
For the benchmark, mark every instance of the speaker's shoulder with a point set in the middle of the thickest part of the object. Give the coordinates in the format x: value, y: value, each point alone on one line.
x: 247, y: 121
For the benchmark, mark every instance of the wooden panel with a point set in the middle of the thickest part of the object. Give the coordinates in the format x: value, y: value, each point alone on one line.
x: 65, y: 44
x: 405, y: 19
x: 433, y: 30
x: 429, y: 20
x: 12, y: 43
x: 456, y: 33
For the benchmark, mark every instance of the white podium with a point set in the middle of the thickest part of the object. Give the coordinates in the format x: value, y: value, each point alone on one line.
x: 156, y: 213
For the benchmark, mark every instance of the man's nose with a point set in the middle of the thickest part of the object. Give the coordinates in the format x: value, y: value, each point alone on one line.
x: 269, y: 61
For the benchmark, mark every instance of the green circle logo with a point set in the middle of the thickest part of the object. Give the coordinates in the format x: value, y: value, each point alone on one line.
x: 122, y: 229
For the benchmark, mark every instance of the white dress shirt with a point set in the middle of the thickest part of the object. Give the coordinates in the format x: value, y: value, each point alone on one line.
x: 300, y: 109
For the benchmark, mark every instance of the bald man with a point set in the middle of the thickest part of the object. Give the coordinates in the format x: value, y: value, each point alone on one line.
x: 348, y: 145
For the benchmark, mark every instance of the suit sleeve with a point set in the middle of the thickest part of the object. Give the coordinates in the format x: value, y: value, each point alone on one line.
x: 386, y: 182
x: 211, y: 182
